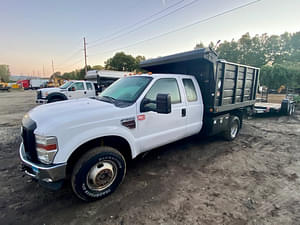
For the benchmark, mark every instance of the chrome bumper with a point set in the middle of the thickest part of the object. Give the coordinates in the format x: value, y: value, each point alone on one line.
x: 42, y: 172
x: 41, y: 101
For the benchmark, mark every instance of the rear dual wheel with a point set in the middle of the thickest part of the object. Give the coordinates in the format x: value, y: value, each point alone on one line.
x: 291, y: 109
x: 98, y: 173
x: 233, y: 128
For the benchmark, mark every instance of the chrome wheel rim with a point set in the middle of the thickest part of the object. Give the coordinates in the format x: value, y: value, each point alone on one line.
x: 101, y: 175
x: 234, y: 129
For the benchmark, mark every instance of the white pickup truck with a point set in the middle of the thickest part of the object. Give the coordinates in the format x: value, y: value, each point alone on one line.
x: 89, y: 141
x: 70, y: 90
x: 95, y: 81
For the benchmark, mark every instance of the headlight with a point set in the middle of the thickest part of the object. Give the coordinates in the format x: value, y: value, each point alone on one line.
x: 46, y: 94
x: 46, y: 148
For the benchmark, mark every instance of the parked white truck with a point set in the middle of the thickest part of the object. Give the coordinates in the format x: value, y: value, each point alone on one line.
x: 89, y: 141
x: 96, y: 81
x: 69, y: 90
x: 37, y: 83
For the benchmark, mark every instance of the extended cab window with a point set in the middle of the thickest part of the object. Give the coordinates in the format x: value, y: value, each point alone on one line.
x: 190, y: 90
x: 163, y: 86
x: 78, y: 86
x: 89, y: 86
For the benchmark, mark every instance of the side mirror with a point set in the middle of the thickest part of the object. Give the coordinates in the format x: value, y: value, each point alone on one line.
x: 71, y: 89
x: 163, y: 103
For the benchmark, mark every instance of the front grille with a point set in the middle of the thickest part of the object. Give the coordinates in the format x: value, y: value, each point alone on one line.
x: 39, y: 94
x: 29, y: 139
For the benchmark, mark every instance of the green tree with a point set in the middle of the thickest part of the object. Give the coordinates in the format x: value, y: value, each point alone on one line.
x: 122, y: 62
x: 76, y: 74
x: 97, y: 67
x: 229, y: 51
x: 278, y: 56
x: 200, y: 45
x: 138, y: 60
x: 4, y: 73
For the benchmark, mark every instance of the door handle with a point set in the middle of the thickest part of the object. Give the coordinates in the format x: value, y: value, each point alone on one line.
x: 183, y: 112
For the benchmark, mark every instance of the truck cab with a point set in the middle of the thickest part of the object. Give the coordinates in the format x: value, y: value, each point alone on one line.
x: 135, y: 114
x: 69, y: 90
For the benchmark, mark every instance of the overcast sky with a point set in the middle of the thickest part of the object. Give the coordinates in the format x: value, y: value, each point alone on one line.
x: 33, y: 32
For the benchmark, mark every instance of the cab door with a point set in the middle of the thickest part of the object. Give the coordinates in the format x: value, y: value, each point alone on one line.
x: 76, y: 90
x: 194, y: 106
x: 90, y: 90
x: 158, y: 129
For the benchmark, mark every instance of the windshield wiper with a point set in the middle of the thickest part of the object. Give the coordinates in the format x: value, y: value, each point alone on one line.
x: 110, y: 99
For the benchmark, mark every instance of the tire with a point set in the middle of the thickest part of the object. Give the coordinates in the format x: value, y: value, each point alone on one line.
x: 291, y: 109
x: 233, y: 128
x: 98, y: 173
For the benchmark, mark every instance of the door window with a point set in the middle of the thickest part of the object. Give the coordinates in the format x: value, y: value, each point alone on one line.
x: 78, y: 86
x: 163, y: 86
x: 190, y: 90
x: 89, y: 86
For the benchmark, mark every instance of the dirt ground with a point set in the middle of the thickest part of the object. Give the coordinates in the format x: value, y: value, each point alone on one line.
x: 252, y: 180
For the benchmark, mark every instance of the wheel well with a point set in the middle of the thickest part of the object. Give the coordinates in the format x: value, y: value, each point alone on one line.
x: 56, y: 96
x: 116, y: 142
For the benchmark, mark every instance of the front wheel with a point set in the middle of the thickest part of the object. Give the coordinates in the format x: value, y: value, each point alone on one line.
x: 233, y: 128
x: 98, y: 173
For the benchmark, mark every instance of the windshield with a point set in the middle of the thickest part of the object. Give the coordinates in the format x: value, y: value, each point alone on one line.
x: 66, y: 85
x: 126, y: 89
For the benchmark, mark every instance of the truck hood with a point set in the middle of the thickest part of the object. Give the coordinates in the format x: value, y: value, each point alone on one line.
x: 60, y: 115
x: 52, y: 90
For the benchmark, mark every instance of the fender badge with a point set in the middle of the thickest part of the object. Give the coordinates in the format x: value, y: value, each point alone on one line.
x: 141, y: 117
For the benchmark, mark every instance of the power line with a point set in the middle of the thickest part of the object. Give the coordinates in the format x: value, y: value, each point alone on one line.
x: 184, y: 27
x: 143, y: 25
x: 142, y: 20
x: 61, y: 65
x: 70, y: 57
x: 75, y: 63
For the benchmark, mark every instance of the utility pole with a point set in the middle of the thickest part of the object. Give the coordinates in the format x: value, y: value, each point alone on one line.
x: 85, y: 62
x: 52, y: 67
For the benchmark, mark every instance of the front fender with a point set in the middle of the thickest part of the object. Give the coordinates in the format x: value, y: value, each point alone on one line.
x: 69, y: 145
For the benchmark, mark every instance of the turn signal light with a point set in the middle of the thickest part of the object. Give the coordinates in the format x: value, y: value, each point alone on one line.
x: 46, y: 147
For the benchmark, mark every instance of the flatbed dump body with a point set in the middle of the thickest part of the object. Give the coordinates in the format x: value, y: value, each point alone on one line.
x: 225, y: 86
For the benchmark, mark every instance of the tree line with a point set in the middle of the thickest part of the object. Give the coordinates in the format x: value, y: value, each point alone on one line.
x: 278, y: 56
x: 119, y: 62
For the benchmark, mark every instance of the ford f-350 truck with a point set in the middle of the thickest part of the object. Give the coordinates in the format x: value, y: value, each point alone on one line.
x: 89, y: 141
x: 95, y: 81
x: 70, y: 90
